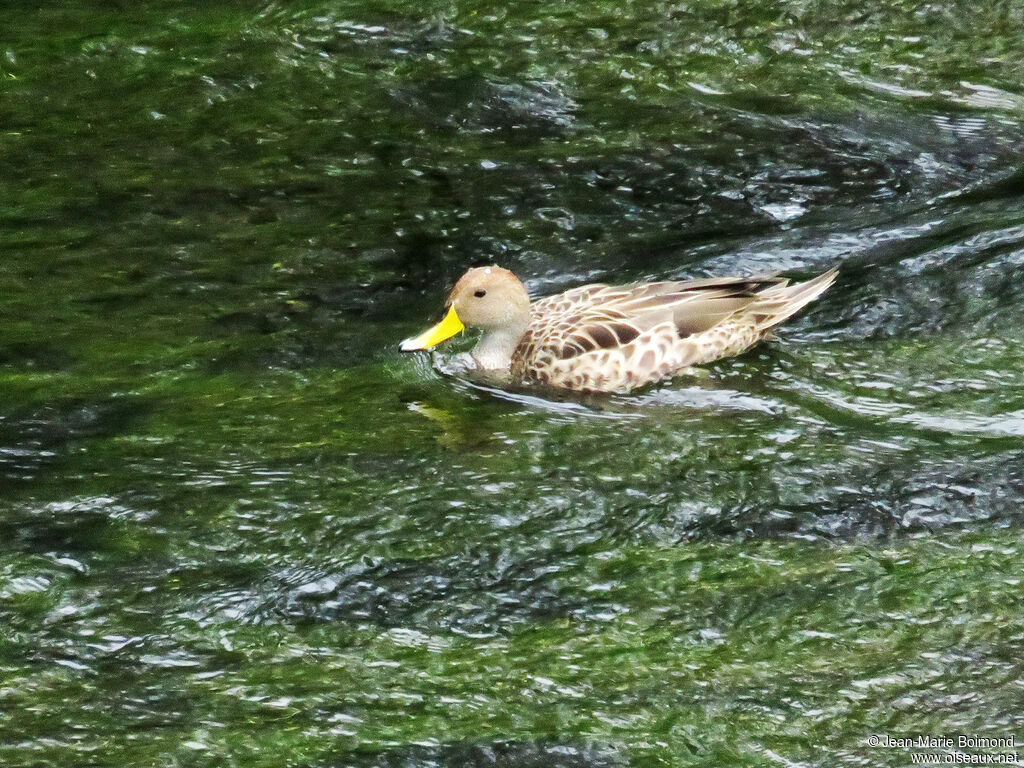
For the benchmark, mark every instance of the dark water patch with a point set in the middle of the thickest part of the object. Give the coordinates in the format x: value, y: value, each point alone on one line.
x: 959, y: 494
x: 37, y: 440
x: 34, y: 355
x: 471, y: 102
x: 85, y: 528
x: 492, y: 589
x: 969, y: 282
x: 908, y: 498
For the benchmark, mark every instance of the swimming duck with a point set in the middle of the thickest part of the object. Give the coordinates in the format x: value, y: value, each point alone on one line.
x: 608, y: 338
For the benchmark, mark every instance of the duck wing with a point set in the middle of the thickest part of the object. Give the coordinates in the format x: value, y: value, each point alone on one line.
x: 598, y: 317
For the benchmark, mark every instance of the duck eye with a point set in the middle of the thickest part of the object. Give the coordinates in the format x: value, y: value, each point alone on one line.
x: 480, y: 294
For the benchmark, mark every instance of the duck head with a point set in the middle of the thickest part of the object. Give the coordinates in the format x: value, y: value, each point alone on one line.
x: 491, y: 299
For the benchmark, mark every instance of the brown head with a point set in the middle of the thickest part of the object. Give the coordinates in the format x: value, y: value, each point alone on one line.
x: 490, y: 298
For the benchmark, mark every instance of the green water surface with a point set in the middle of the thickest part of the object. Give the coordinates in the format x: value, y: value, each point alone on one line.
x: 238, y: 528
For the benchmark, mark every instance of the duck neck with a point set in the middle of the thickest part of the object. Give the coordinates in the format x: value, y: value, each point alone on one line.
x: 495, y: 348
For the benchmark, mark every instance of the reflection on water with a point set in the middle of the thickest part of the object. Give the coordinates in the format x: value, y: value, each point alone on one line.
x: 239, y: 528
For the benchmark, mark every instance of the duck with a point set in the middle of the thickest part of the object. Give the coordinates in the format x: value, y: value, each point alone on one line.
x: 614, y: 338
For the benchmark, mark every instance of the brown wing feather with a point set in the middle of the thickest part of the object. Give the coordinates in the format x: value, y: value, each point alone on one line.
x: 694, y: 305
x: 596, y: 317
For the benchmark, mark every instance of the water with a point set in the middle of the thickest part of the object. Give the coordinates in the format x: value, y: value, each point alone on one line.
x: 238, y: 528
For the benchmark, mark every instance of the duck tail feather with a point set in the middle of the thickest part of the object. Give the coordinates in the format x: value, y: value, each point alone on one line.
x: 781, y: 303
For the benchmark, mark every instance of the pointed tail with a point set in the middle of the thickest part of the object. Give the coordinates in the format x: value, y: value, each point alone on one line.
x: 779, y: 303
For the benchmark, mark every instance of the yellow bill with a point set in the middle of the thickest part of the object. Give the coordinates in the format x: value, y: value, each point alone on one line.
x: 431, y: 337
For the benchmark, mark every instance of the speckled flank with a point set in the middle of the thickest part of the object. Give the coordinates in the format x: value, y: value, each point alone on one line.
x: 733, y: 337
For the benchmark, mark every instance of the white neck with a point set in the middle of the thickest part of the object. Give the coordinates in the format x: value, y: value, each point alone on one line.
x: 495, y: 348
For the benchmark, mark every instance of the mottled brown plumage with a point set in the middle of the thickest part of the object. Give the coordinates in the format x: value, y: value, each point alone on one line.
x: 602, y: 338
